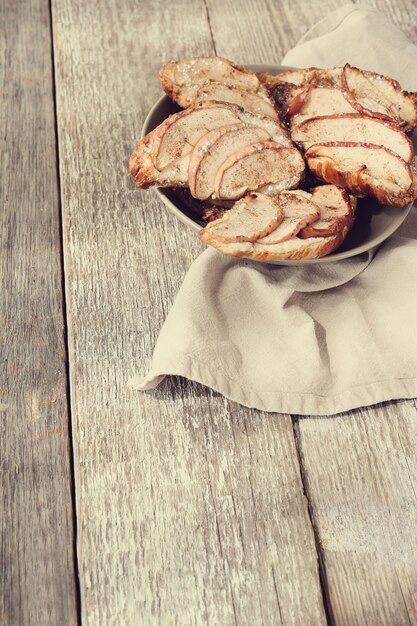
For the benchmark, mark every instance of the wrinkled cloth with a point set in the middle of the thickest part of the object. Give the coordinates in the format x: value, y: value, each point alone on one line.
x: 312, y: 339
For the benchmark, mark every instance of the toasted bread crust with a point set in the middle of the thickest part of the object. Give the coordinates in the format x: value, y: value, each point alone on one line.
x: 184, y: 94
x: 292, y: 250
x: 141, y: 166
x: 359, y: 182
x: 284, y: 86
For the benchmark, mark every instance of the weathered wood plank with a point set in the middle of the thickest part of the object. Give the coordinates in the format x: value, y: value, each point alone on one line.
x: 36, y: 556
x: 262, y: 31
x: 361, y: 476
x: 190, y: 508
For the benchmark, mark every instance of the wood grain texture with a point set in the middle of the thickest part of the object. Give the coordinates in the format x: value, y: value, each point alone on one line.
x: 361, y: 476
x: 36, y: 556
x: 190, y: 509
x: 262, y: 31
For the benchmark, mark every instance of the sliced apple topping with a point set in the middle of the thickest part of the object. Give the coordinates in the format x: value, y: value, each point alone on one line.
x: 364, y: 169
x: 248, y: 100
x: 319, y: 101
x: 256, y: 166
x: 212, y: 151
x: 298, y: 213
x: 182, y: 134
x: 336, y: 212
x: 353, y: 128
x: 182, y: 79
x: 251, y: 218
x: 381, y: 96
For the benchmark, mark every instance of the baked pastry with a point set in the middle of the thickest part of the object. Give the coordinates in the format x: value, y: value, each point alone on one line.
x: 197, y: 79
x: 366, y: 92
x: 350, y: 124
x: 235, y: 154
x: 218, y: 150
x: 311, y: 225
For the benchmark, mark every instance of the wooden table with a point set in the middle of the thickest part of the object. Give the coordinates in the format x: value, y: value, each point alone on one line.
x: 176, y: 506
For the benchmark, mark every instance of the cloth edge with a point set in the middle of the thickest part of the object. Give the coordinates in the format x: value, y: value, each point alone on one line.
x: 288, y: 403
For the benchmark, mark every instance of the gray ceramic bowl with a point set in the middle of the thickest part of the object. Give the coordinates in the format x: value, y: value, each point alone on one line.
x: 374, y: 222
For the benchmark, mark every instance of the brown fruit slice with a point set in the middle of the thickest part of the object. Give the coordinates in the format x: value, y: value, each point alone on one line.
x: 364, y: 169
x: 252, y: 217
x: 298, y: 212
x: 353, y: 128
x: 211, y: 152
x: 335, y: 209
x: 256, y: 166
x: 248, y: 100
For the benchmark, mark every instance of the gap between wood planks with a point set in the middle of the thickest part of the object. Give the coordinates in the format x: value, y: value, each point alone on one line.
x: 65, y: 331
x: 320, y: 555
x: 210, y: 27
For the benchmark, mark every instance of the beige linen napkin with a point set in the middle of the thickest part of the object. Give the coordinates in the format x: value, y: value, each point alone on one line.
x: 312, y: 339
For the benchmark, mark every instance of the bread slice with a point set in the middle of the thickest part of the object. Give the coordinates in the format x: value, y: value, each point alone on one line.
x: 336, y: 212
x: 212, y: 151
x: 251, y: 218
x: 367, y: 92
x: 257, y: 166
x: 298, y: 213
x: 295, y: 249
x: 353, y: 127
x: 380, y: 96
x: 163, y: 156
x: 364, y: 169
x: 296, y: 205
x: 248, y: 100
x: 182, y: 80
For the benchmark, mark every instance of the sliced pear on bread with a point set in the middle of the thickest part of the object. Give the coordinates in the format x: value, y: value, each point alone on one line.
x: 182, y: 79
x: 252, y: 217
x: 183, y: 133
x: 353, y: 127
x: 163, y: 156
x: 336, y: 212
x: 211, y: 152
x: 248, y: 100
x: 282, y: 243
x: 256, y: 167
x: 364, y: 169
x: 298, y: 212
x: 380, y: 96
x: 318, y: 101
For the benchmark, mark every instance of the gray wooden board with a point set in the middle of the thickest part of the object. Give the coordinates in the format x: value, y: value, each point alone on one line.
x: 190, y: 509
x: 361, y: 477
x: 36, y: 557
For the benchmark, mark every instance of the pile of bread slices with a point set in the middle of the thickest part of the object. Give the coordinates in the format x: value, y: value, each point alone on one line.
x: 274, y: 163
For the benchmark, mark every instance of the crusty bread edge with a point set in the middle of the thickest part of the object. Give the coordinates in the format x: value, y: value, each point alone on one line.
x: 176, y: 92
x: 294, y: 249
x: 141, y: 166
x: 359, y: 182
